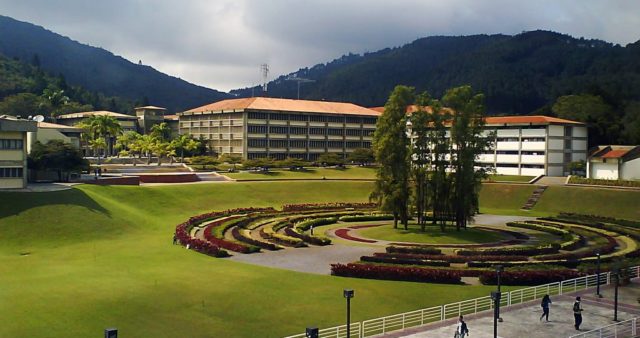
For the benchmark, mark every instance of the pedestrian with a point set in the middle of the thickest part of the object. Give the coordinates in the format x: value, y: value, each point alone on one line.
x: 175, y: 239
x: 546, y: 301
x: 577, y: 313
x: 461, y: 329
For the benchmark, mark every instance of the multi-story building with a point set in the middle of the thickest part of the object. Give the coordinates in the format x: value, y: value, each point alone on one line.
x: 149, y: 116
x: 534, y: 145
x: 52, y: 131
x: 279, y: 128
x: 127, y: 122
x: 13, y: 151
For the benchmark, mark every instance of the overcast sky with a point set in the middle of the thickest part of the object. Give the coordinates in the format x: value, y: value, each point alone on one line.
x: 221, y: 43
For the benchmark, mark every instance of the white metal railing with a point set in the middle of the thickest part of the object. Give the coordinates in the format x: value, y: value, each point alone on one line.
x: 382, y: 325
x: 626, y: 329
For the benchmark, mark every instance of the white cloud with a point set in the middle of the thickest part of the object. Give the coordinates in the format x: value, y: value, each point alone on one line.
x: 220, y: 44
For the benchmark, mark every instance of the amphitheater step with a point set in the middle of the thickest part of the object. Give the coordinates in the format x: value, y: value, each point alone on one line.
x: 535, y: 196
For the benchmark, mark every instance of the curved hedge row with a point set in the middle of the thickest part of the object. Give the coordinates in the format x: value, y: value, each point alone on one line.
x: 424, y: 250
x: 366, y: 218
x: 413, y: 274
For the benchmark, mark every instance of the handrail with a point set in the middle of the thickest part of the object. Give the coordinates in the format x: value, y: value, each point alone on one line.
x: 625, y: 329
x: 401, y: 321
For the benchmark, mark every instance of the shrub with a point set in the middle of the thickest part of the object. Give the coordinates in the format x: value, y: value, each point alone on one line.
x: 316, y: 240
x: 404, y: 261
x: 237, y: 247
x: 453, y: 258
x: 512, y: 251
x: 402, y: 273
x: 571, y: 240
x: 599, y: 219
x: 327, y: 206
x: 594, y: 181
x: 282, y: 239
x: 528, y: 277
x: 315, y: 222
x: 239, y: 236
x: 425, y: 250
x: 365, y: 218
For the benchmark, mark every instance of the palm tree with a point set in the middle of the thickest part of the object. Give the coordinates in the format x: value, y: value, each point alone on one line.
x: 161, y: 131
x: 184, y: 142
x: 104, y: 126
x: 96, y: 144
x: 146, y: 145
x: 125, y: 143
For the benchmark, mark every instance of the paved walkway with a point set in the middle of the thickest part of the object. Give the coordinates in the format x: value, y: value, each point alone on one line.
x: 523, y: 320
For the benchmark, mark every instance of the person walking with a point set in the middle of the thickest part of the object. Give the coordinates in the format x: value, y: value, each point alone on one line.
x: 577, y: 313
x: 461, y: 329
x: 546, y: 301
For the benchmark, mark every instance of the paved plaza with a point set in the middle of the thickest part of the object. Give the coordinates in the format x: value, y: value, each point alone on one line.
x: 523, y: 320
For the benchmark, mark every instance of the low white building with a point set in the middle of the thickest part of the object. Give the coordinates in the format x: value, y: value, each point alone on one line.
x: 534, y: 145
x: 613, y: 162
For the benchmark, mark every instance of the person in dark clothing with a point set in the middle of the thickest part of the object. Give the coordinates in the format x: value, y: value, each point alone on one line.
x: 545, y: 307
x: 461, y: 329
x: 577, y: 313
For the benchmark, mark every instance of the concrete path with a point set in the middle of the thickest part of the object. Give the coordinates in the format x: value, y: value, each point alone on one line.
x: 44, y: 187
x: 552, y: 180
x: 523, y: 320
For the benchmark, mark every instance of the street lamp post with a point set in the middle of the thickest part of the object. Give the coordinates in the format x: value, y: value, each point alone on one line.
x: 615, y: 295
x: 495, y: 296
x: 598, y: 275
x: 499, y: 270
x: 348, y: 294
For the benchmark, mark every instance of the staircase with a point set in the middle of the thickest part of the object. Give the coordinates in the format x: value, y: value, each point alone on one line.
x: 535, y: 196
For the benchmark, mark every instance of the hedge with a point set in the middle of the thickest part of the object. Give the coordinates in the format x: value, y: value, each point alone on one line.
x: 316, y: 240
x: 315, y: 222
x: 404, y: 261
x: 239, y: 236
x: 365, y: 218
x: 596, y: 218
x: 327, y: 206
x: 282, y: 239
x: 594, y: 181
x: 425, y: 250
x: 452, y: 258
x: 400, y: 273
x: 237, y: 247
x: 513, y: 251
x: 571, y: 241
x: 528, y: 277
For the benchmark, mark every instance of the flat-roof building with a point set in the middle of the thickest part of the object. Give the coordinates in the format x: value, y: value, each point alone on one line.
x: 278, y: 128
x: 613, y: 162
x: 13, y: 151
x: 52, y: 131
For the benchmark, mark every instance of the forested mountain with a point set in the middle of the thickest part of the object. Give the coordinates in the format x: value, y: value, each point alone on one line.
x: 97, y: 69
x: 518, y: 74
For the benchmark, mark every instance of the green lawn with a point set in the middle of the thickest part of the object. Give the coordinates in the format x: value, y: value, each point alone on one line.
x: 308, y: 173
x: 605, y: 202
x: 432, y: 235
x: 506, y: 199
x: 75, y: 262
x: 509, y: 178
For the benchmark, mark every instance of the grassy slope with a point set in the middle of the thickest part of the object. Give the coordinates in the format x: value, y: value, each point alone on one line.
x: 498, y: 198
x: 310, y: 173
x: 606, y: 202
x: 509, y: 178
x: 102, y: 256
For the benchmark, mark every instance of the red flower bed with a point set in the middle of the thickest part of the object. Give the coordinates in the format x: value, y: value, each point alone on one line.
x: 404, y: 261
x: 235, y: 232
x: 528, y: 277
x: 326, y: 206
x: 237, y: 247
x: 344, y: 233
x: 402, y: 273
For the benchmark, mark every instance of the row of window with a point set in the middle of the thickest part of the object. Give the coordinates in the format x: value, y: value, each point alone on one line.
x: 515, y: 165
x: 254, y: 129
x: 317, y: 144
x: 11, y: 172
x: 282, y: 156
x: 11, y: 144
x: 312, y: 118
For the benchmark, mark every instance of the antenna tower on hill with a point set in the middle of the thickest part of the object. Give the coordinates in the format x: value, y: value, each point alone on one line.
x: 264, y: 69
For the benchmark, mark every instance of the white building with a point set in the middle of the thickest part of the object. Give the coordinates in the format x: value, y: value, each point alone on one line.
x: 535, y: 145
x: 614, y: 163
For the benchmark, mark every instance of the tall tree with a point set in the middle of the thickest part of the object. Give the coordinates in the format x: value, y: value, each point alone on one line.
x: 468, y: 141
x: 420, y: 154
x: 391, y: 146
x: 106, y: 127
x: 601, y: 118
x: 439, y: 180
x: 161, y: 131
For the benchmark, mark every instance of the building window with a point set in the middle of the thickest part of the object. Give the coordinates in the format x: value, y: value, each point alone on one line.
x: 257, y: 129
x: 353, y: 119
x: 533, y: 166
x: 352, y: 144
x: 317, y: 118
x: 317, y: 131
x: 507, y: 165
x: 11, y: 144
x: 297, y: 117
x: 507, y: 139
x: 10, y: 172
x: 257, y: 116
x: 540, y: 152
x: 369, y: 120
x: 252, y: 156
x: 335, y: 132
x: 335, y: 119
x: 336, y: 144
x: 277, y: 143
x: 368, y: 132
x: 353, y: 132
x: 507, y: 152
x: 567, y: 157
x: 533, y: 139
x: 297, y: 144
x: 260, y: 143
x: 277, y: 130
x: 298, y: 130
x: 568, y: 131
x: 317, y: 144
x: 366, y: 144
x: 279, y: 116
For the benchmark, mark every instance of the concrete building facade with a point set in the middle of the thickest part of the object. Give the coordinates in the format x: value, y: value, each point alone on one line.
x: 52, y: 131
x: 613, y: 162
x: 13, y: 151
x: 279, y: 128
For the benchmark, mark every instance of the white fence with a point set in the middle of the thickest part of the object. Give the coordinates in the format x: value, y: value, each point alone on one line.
x: 626, y: 329
x: 382, y: 325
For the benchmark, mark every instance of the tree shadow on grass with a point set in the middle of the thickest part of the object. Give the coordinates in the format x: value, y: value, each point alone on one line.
x: 14, y: 203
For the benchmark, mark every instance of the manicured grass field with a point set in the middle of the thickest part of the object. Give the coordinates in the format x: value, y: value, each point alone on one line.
x: 509, y: 178
x: 507, y: 199
x: 432, y: 235
x: 606, y: 202
x: 75, y: 262
x: 308, y: 173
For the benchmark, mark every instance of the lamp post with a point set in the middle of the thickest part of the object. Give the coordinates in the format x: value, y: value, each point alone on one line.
x: 348, y: 294
x: 616, y: 272
x: 495, y: 296
x: 598, y: 275
x: 499, y: 270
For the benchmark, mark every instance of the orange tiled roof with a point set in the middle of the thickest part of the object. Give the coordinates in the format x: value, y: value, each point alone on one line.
x: 616, y: 153
x: 171, y: 117
x: 536, y: 119
x: 98, y: 113
x: 286, y: 105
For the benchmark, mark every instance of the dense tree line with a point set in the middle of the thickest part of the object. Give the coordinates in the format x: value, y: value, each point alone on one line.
x: 522, y: 74
x: 427, y: 159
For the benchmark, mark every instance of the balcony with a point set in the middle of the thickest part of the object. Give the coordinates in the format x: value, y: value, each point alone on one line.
x: 507, y: 158
x: 508, y: 133
x: 533, y: 145
x: 508, y: 145
x: 532, y: 159
x: 534, y: 132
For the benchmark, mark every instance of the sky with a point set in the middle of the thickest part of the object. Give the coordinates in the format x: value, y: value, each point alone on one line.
x: 221, y: 44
